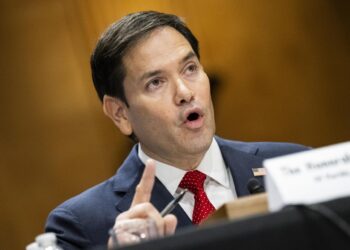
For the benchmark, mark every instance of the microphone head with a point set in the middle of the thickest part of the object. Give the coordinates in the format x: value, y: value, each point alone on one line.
x: 254, y: 186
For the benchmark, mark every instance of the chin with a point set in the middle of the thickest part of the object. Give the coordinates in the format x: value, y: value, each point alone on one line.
x: 199, y: 144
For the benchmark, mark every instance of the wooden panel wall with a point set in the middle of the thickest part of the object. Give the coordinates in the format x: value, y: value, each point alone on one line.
x: 282, y: 69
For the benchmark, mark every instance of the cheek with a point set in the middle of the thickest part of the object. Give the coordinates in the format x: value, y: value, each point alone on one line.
x: 151, y: 118
x: 203, y: 86
x: 204, y: 92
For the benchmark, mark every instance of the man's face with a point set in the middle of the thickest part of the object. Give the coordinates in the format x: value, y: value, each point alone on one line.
x: 170, y: 108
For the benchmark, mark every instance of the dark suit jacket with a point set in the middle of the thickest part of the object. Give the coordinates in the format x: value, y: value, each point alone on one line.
x: 84, y: 220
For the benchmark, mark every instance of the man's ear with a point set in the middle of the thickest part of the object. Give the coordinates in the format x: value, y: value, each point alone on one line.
x: 116, y: 109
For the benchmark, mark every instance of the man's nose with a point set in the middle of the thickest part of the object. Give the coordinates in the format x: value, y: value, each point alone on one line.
x: 183, y: 94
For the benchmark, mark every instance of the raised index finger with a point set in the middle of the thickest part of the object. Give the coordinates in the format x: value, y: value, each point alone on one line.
x: 145, y: 186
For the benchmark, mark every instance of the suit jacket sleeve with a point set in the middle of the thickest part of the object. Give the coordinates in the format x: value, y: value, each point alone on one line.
x: 70, y: 233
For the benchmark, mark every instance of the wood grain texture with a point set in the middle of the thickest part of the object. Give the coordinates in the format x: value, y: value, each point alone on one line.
x: 282, y: 73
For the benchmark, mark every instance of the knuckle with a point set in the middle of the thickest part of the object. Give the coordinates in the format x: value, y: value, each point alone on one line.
x: 139, y: 188
x: 148, y: 206
x: 122, y: 216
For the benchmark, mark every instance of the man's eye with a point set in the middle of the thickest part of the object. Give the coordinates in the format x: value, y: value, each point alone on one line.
x: 154, y: 84
x: 192, y: 68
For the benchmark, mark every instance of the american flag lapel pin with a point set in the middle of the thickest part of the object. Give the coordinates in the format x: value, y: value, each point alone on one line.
x: 259, y: 171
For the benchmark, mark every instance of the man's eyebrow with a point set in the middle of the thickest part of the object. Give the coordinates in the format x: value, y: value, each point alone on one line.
x: 150, y: 74
x: 189, y: 56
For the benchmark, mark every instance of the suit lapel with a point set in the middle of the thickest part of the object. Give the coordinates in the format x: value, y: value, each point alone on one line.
x: 239, y: 159
x: 240, y: 164
x: 125, y: 182
x: 161, y: 197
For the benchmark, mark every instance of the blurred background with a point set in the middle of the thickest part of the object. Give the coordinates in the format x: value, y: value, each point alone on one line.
x: 279, y: 69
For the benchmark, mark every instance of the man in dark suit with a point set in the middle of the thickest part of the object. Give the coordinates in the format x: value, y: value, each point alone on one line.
x: 146, y: 71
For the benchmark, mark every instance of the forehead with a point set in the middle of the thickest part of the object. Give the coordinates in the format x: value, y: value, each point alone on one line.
x: 158, y: 49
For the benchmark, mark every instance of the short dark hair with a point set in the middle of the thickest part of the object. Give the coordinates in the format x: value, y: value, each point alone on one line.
x: 107, y: 68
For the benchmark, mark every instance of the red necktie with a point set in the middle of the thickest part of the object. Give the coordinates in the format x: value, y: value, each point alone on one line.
x: 193, y: 181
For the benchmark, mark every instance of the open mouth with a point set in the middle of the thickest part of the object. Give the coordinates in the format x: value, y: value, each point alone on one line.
x: 193, y: 116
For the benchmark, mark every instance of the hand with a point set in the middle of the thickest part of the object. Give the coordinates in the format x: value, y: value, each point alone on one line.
x: 141, y: 208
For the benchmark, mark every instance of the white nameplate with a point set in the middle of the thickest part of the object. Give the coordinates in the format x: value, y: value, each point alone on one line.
x: 308, y: 177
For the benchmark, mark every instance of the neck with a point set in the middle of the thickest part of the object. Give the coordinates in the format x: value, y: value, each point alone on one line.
x: 183, y: 161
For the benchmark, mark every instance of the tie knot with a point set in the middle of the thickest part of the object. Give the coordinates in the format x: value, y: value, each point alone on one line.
x: 193, y: 181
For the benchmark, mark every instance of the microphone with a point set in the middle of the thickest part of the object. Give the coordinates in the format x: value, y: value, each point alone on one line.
x: 254, y: 186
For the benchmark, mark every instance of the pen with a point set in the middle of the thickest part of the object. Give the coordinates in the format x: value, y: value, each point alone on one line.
x: 172, y: 204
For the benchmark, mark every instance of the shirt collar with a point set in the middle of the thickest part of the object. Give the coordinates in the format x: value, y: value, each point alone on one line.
x: 212, y: 165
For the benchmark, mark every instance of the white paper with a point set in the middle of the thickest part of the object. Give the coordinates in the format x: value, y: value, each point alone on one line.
x: 308, y: 177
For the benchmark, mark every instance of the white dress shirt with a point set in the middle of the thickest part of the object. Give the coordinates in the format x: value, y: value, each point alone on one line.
x: 218, y: 185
